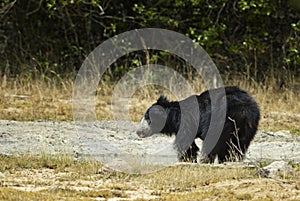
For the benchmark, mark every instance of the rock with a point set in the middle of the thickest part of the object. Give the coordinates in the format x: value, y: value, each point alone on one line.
x: 276, y: 170
x: 173, y: 189
x: 117, y: 165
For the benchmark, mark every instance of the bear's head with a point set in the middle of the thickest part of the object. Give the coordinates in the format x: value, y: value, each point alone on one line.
x: 155, y: 118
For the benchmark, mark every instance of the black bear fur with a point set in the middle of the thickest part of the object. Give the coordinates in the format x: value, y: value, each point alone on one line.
x: 240, y: 125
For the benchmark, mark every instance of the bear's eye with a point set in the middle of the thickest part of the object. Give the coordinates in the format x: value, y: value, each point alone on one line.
x: 147, y: 117
x: 148, y: 121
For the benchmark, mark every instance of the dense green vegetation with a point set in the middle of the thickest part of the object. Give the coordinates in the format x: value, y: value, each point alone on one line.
x: 52, y: 37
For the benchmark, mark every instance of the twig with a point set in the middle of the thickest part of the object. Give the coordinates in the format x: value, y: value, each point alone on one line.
x: 236, y: 132
x: 239, y: 146
x: 6, y: 8
x: 219, y: 13
x: 35, y: 10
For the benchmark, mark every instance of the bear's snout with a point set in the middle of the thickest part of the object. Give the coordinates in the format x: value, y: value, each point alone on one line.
x: 144, y: 132
x: 140, y: 133
x: 143, y: 129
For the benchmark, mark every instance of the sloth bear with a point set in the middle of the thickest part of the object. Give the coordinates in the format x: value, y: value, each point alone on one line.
x: 192, y: 117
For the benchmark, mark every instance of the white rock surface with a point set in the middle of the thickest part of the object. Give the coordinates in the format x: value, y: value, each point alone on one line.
x: 276, y: 170
x: 109, y: 141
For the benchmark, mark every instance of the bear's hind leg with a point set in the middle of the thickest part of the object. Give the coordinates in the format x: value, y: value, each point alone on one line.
x: 208, y: 159
x: 230, y: 153
x: 190, y: 155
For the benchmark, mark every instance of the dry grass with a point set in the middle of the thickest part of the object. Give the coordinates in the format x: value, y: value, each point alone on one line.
x: 86, y: 180
x: 52, y: 100
x: 39, y: 99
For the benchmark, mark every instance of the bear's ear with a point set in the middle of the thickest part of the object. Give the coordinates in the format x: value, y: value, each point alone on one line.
x: 163, y: 101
